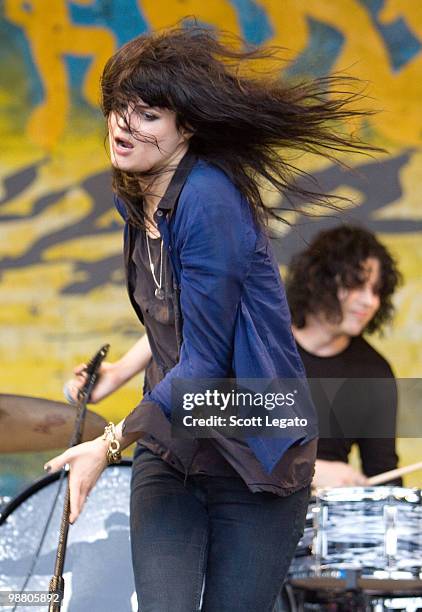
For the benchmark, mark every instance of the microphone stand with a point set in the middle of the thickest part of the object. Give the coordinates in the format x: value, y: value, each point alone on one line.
x: 56, y: 586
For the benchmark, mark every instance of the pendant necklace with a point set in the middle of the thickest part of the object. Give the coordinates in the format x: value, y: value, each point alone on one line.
x: 159, y: 292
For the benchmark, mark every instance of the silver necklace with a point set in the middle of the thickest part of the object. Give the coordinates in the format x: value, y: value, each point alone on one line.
x: 159, y: 292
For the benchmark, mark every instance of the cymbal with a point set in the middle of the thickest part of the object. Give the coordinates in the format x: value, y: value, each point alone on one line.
x: 34, y: 424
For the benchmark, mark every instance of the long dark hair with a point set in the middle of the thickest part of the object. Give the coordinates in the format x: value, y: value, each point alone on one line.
x: 335, y: 259
x: 244, y: 122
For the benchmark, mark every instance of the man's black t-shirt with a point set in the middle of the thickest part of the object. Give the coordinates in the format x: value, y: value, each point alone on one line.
x: 358, y: 360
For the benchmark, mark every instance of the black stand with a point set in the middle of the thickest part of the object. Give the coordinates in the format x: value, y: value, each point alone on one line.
x: 56, y: 587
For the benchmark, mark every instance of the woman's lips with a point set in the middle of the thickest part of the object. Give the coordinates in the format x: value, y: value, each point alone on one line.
x: 122, y: 146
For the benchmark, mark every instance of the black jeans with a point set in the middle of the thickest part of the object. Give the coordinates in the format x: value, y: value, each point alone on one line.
x: 210, y: 538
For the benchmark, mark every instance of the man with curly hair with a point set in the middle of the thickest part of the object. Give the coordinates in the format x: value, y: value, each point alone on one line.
x: 339, y: 288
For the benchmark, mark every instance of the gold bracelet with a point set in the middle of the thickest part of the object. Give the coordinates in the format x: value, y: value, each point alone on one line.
x: 113, y: 452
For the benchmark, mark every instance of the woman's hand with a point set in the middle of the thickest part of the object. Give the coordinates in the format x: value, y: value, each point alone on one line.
x: 336, y: 474
x: 111, y: 375
x: 86, y: 462
x: 108, y: 381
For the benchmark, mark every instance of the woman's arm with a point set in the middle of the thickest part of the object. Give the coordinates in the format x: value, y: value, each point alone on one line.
x: 86, y: 462
x: 113, y: 375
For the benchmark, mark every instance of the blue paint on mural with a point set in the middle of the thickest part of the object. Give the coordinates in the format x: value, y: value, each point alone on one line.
x: 254, y: 22
x: 373, y: 6
x: 123, y: 18
x: 400, y: 42
x: 321, y: 52
x: 76, y: 70
x: 16, y: 54
x: 401, y: 45
x: 92, y: 14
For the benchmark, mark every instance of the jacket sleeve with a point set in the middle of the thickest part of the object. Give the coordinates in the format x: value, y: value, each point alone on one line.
x: 214, y: 242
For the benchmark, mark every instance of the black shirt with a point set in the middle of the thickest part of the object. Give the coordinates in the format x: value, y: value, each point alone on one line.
x: 159, y: 324
x: 358, y: 360
x: 158, y: 314
x: 222, y: 457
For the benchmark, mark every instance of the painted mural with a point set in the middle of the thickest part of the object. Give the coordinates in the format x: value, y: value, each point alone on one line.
x: 61, y: 281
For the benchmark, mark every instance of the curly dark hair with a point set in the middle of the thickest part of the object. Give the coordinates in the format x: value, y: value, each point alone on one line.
x: 335, y: 259
x: 244, y: 120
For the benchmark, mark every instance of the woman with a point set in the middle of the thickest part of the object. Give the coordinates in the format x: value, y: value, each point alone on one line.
x: 192, y: 143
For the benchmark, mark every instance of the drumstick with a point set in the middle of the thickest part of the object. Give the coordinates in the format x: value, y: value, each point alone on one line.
x: 385, y: 476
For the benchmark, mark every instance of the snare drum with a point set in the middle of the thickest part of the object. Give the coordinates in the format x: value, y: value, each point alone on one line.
x: 98, y: 570
x: 377, y: 529
x: 361, y: 539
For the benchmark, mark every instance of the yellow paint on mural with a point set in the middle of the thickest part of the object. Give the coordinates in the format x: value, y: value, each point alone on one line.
x: 88, y: 248
x: 402, y: 344
x: 409, y: 204
x: 108, y: 218
x: 409, y: 10
x: 18, y: 236
x: 289, y: 24
x: 362, y: 54
x: 51, y: 34
x: 218, y: 13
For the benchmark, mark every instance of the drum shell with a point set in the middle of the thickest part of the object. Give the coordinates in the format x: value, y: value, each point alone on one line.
x: 372, y: 528
x: 98, y: 572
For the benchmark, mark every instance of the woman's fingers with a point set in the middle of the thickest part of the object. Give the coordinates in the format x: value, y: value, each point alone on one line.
x: 74, y: 500
x: 70, y: 391
x: 77, y: 497
x: 78, y: 490
x: 86, y: 462
x: 80, y: 369
x: 72, y: 387
x: 56, y: 463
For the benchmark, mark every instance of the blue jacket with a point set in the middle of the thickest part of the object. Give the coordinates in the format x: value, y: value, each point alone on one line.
x: 234, y: 317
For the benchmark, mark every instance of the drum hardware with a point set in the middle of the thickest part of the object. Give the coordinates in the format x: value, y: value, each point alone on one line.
x: 319, y: 544
x: 364, y: 546
x: 98, y: 549
x: 56, y: 586
x: 390, y: 537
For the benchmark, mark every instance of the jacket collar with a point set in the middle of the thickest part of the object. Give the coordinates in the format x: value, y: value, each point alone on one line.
x: 178, y: 179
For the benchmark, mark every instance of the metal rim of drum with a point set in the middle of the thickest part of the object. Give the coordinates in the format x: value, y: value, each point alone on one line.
x: 331, y: 579
x: 36, y: 486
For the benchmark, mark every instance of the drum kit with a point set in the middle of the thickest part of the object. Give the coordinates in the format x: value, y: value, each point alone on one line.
x: 98, y: 547
x: 361, y: 549
x: 31, y: 424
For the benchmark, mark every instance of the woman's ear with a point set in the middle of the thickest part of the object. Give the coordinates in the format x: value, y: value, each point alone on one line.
x: 187, y: 134
x: 186, y: 131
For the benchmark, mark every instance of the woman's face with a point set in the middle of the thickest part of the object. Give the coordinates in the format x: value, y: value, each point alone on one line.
x: 152, y: 142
